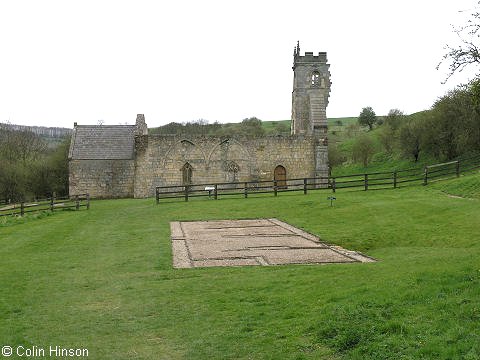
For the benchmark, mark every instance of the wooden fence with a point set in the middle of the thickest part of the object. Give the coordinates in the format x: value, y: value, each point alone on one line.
x: 52, y: 204
x: 367, y: 181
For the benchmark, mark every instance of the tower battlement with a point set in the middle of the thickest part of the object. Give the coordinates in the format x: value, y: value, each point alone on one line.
x: 308, y: 57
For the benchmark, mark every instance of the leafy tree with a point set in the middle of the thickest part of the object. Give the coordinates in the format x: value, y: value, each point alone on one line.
x: 411, y: 136
x: 13, y: 179
x: 387, y: 137
x: 388, y: 132
x: 57, y: 164
x: 367, y: 117
x: 394, y: 118
x: 352, y: 130
x: 28, y: 167
x: 363, y: 149
x: 455, y: 123
x: 252, y: 127
x: 335, y: 155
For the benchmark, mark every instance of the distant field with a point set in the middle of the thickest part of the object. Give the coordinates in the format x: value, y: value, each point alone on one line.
x: 334, y: 123
x: 269, y: 126
x: 344, y: 121
x: 102, y: 279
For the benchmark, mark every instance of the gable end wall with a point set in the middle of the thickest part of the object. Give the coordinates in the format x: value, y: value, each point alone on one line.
x: 102, y: 178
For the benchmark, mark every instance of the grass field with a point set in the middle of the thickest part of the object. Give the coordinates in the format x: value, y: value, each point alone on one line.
x: 102, y: 280
x: 334, y: 124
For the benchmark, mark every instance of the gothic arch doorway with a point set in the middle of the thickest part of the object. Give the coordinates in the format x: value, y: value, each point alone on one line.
x: 280, y: 175
x: 187, y: 172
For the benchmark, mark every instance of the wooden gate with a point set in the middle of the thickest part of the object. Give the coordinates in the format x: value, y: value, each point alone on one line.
x: 280, y: 175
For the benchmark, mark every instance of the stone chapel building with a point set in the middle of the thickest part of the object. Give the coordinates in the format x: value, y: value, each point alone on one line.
x: 124, y: 161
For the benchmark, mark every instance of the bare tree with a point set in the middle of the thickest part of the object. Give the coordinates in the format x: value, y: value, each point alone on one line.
x: 21, y: 146
x: 467, y: 52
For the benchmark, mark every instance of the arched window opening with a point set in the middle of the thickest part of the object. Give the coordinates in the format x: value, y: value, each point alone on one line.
x: 187, y: 172
x: 232, y: 169
x: 315, y: 79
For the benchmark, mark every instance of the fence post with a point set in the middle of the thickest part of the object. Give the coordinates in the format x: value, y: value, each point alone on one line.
x: 77, y: 203
x: 157, y: 196
x: 275, y: 187
x: 186, y: 192
x: 305, y: 186
x: 22, y: 208
x: 215, y: 191
x: 394, y: 179
x: 245, y: 190
x: 88, y: 201
x: 425, y: 176
x: 458, y: 168
x: 366, y: 182
x: 51, y: 203
x: 334, y: 185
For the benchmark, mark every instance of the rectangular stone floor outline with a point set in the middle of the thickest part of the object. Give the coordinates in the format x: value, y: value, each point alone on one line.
x: 232, y: 243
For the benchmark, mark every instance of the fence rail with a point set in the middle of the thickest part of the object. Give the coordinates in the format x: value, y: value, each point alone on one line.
x: 51, y: 204
x: 366, y: 181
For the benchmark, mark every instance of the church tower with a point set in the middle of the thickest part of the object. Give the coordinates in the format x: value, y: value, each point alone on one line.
x: 311, y: 89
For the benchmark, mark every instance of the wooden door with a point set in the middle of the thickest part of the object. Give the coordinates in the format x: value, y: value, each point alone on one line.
x: 280, y: 175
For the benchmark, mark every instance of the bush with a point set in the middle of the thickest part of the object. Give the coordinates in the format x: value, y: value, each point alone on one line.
x: 363, y: 149
x: 335, y: 155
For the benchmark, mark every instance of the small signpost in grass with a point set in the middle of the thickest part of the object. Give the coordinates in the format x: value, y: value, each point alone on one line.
x: 331, y: 198
x: 209, y: 189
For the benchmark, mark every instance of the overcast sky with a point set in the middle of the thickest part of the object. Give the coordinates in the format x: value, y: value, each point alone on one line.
x: 84, y: 61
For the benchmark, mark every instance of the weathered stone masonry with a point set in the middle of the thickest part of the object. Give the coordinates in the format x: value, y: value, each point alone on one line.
x: 102, y: 178
x: 102, y: 161
x: 123, y: 161
x: 160, y: 160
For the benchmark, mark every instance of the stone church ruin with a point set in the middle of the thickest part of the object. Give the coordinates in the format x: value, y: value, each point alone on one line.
x: 124, y: 161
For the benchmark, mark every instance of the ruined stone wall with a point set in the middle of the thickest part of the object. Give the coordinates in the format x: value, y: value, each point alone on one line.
x: 160, y: 159
x: 102, y: 178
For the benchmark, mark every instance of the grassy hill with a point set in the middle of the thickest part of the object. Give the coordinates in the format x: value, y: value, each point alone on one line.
x: 334, y: 124
x: 102, y: 279
x: 465, y: 186
x: 270, y: 127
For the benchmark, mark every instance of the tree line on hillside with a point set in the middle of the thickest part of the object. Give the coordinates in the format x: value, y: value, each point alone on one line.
x: 250, y: 126
x: 449, y: 130
x: 29, y: 167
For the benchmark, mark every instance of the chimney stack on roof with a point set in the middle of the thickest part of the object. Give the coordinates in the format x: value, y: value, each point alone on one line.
x: 141, y: 125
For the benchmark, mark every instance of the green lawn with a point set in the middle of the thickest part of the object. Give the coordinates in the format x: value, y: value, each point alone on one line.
x: 102, y: 279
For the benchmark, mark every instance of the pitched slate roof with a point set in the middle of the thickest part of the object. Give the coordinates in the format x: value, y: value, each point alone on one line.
x: 97, y: 142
